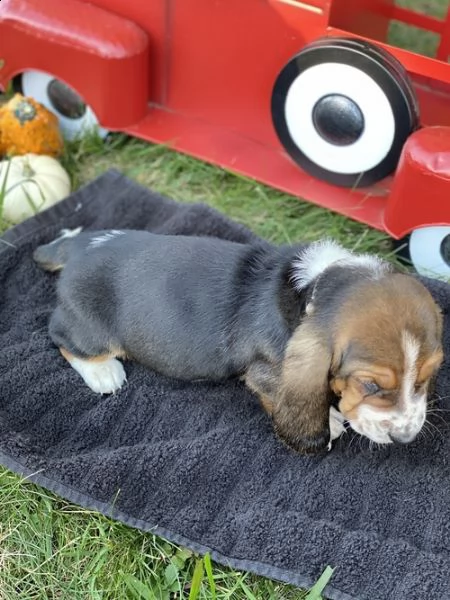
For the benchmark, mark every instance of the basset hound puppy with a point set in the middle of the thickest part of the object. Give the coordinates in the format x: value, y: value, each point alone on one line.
x: 322, y: 335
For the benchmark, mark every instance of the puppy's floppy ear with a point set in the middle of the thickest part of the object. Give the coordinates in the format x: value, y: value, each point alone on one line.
x: 302, y: 405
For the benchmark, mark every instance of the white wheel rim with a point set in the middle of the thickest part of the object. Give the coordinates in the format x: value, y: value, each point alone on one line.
x: 35, y: 84
x: 425, y: 251
x: 325, y: 79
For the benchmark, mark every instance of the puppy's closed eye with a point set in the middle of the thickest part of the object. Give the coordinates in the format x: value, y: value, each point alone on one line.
x: 371, y: 388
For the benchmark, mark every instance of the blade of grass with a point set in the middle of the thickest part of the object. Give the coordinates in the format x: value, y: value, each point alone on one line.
x: 209, y: 574
x: 137, y: 588
x: 247, y: 592
x: 196, y: 580
x: 315, y: 593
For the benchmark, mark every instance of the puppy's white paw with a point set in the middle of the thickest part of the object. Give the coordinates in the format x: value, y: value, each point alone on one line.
x: 336, y: 425
x: 103, y: 377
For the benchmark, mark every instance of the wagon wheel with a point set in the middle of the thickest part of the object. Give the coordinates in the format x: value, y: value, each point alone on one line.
x: 75, y: 117
x: 343, y: 109
x: 428, y: 250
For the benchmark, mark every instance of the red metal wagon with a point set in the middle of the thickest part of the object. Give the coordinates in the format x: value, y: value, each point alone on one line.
x: 305, y: 96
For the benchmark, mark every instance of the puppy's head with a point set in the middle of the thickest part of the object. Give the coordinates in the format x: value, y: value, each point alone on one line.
x: 386, y: 351
x: 371, y: 337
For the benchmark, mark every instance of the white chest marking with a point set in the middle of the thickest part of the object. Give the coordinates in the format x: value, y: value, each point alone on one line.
x: 336, y: 425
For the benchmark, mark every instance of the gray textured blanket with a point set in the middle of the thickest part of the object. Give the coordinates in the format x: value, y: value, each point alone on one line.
x: 198, y: 463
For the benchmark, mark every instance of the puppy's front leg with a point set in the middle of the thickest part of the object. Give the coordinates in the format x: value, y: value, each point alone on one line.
x: 103, y: 374
x: 262, y: 378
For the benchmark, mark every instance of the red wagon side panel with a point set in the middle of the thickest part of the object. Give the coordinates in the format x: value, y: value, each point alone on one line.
x: 212, y: 72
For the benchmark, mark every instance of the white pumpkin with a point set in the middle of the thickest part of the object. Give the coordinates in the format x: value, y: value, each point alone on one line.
x: 29, y: 184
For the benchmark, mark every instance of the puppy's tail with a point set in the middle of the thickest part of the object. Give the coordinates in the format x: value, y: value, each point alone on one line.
x: 53, y: 256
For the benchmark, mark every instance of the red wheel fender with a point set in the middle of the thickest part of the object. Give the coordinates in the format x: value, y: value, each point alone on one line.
x: 420, y: 190
x: 104, y: 57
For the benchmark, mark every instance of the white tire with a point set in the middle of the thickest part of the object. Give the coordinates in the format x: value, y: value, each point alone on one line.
x: 343, y: 81
x: 76, y: 119
x: 429, y: 249
x: 343, y: 109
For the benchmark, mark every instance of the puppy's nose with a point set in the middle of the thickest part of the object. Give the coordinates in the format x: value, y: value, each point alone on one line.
x: 402, y: 438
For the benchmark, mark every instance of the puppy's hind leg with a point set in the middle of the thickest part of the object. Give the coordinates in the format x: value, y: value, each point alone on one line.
x: 89, y: 352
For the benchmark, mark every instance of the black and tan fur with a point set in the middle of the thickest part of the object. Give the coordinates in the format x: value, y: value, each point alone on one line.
x: 289, y: 320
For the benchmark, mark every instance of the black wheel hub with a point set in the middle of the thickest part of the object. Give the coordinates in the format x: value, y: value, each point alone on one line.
x: 338, y: 120
x: 445, y: 249
x: 65, y: 101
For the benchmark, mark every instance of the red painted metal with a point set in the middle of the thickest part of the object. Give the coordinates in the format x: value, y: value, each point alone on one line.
x: 198, y: 75
x: 420, y: 191
x: 364, y: 18
x: 443, y: 51
x: 82, y: 45
x: 228, y: 149
x: 417, y: 19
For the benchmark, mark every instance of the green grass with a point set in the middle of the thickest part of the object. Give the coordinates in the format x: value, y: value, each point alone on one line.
x: 413, y: 38
x: 271, y: 214
x: 51, y: 549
